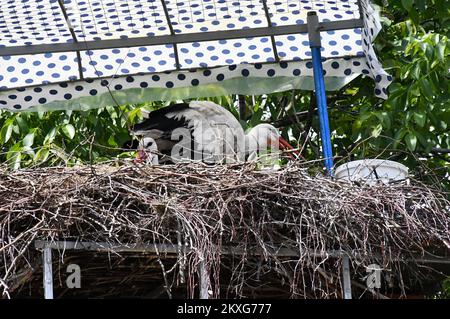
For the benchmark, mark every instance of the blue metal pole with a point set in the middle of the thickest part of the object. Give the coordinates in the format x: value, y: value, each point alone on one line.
x: 322, y: 108
x: 319, y: 84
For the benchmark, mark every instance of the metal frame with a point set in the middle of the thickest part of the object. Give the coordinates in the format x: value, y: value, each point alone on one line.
x: 172, y: 32
x: 177, y: 38
x: 225, y: 250
x: 74, y: 36
x: 319, y: 83
x: 269, y: 24
x: 205, y: 284
x: 48, y: 272
x: 347, y: 282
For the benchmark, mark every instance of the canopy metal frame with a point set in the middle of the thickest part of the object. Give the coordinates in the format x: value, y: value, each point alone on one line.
x: 74, y: 36
x: 177, y: 38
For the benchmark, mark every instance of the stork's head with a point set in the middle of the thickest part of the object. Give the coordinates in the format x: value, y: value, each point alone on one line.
x: 267, y: 136
x: 147, y: 151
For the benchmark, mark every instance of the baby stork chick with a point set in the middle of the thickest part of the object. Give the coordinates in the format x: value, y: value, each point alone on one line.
x: 147, y: 152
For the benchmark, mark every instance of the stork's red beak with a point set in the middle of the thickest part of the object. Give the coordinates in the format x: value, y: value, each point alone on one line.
x: 285, y: 146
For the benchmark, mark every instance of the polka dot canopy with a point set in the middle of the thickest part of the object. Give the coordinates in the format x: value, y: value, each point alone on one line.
x: 60, y: 78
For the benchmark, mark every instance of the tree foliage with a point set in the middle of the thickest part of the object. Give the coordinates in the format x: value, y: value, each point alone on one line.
x: 413, y: 122
x: 411, y: 126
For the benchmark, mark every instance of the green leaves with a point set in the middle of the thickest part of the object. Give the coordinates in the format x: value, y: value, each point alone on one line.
x: 407, y: 4
x: 426, y: 89
x: 50, y: 136
x: 420, y: 119
x: 411, y: 141
x: 69, y: 130
x: 41, y: 155
x: 384, y: 118
x: 21, y: 122
x: 376, y: 131
x: 440, y: 50
x: 414, y: 48
x: 6, y: 131
x: 14, y: 156
x: 63, y: 138
x: 28, y: 139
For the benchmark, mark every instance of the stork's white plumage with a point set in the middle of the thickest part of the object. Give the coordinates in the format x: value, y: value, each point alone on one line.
x: 205, y: 131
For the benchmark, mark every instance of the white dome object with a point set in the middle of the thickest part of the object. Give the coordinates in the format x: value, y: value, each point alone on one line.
x: 371, y: 171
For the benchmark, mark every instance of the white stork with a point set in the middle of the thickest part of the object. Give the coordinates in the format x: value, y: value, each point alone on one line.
x: 203, y: 130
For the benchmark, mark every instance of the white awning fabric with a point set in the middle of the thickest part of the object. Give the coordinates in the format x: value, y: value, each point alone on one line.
x: 81, y: 54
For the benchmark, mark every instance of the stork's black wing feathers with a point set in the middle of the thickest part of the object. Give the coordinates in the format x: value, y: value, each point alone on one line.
x: 159, y: 121
x: 160, y: 127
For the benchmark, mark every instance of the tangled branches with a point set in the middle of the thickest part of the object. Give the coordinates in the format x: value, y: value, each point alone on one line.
x: 231, y: 219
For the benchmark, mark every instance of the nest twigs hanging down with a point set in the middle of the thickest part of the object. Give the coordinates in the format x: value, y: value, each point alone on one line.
x: 283, y: 221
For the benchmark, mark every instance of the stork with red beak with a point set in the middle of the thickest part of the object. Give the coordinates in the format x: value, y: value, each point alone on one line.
x: 206, y: 131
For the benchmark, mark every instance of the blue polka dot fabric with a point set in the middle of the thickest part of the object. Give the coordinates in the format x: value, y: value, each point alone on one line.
x: 40, y: 79
x: 124, y: 61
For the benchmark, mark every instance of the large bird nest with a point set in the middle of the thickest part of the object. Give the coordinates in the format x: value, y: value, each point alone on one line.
x: 254, y: 232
